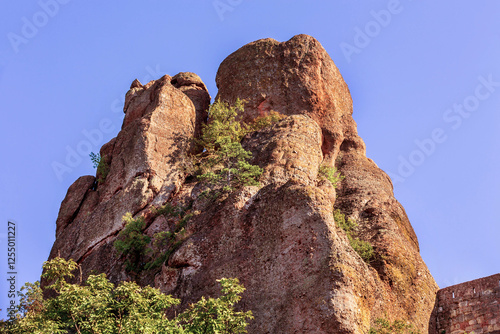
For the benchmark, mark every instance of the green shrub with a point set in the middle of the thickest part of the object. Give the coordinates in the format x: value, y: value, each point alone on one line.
x: 331, y: 174
x: 132, y: 243
x: 223, y: 165
x: 144, y: 253
x: 166, y: 242
x: 222, y: 123
x: 170, y: 210
x: 160, y: 249
x: 98, y: 306
x: 348, y: 226
x: 225, y: 162
x: 384, y: 326
x: 101, y: 165
x: 217, y: 315
x: 363, y: 248
x: 262, y: 122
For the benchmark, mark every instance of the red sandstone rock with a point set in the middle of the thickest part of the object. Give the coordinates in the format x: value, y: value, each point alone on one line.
x: 298, y: 77
x: 72, y: 202
x: 191, y: 85
x: 144, y: 170
x: 279, y: 239
x: 293, y: 77
x: 289, y: 150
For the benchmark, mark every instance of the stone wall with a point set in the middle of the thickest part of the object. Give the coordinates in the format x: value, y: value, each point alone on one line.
x: 472, y: 307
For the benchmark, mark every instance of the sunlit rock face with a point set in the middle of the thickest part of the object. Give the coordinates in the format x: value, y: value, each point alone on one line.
x: 280, y: 238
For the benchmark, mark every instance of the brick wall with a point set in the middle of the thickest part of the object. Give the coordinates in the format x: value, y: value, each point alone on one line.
x: 468, y: 307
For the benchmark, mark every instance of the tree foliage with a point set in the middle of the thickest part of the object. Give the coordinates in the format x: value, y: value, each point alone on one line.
x: 211, y: 315
x: 164, y: 243
x: 225, y: 162
x: 131, y: 242
x: 98, y: 306
x: 144, y: 253
x: 331, y: 174
x: 228, y: 167
x: 101, y: 165
x: 222, y: 123
x: 349, y: 226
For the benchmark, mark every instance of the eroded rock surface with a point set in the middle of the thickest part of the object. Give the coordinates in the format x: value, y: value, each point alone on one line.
x: 293, y: 77
x: 145, y: 170
x: 279, y: 239
x: 299, y: 77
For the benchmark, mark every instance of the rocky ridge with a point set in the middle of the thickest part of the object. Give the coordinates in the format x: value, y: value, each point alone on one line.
x: 279, y: 239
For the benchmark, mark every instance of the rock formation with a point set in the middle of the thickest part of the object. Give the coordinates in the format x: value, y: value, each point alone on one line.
x: 280, y: 239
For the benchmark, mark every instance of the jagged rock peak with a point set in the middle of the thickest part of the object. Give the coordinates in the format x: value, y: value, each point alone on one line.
x: 136, y: 84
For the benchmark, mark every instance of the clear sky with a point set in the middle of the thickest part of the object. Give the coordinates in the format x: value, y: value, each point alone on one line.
x: 424, y: 77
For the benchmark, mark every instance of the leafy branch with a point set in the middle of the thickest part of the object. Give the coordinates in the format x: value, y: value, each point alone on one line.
x: 331, y: 174
x: 98, y: 306
x: 224, y: 162
x: 144, y: 253
x: 349, y: 226
x: 101, y: 165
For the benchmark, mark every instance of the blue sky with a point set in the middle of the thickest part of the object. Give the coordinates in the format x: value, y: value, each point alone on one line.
x: 424, y: 77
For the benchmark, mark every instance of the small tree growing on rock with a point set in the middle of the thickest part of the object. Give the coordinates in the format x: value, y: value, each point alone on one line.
x: 101, y: 165
x: 363, y: 248
x: 225, y: 161
x: 331, y: 174
x: 132, y: 243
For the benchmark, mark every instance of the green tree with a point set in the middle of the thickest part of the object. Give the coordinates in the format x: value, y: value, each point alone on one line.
x: 264, y: 121
x: 144, y: 253
x: 229, y: 167
x: 211, y: 315
x: 98, y: 306
x: 222, y: 123
x: 225, y: 162
x: 101, y: 165
x: 164, y: 243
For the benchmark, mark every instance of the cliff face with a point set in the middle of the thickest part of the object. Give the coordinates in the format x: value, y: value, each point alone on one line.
x: 279, y: 239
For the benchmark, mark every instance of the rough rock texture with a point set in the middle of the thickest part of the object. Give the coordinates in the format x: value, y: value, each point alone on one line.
x: 279, y: 239
x: 298, y: 77
x: 191, y: 85
x: 294, y: 77
x: 144, y: 169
